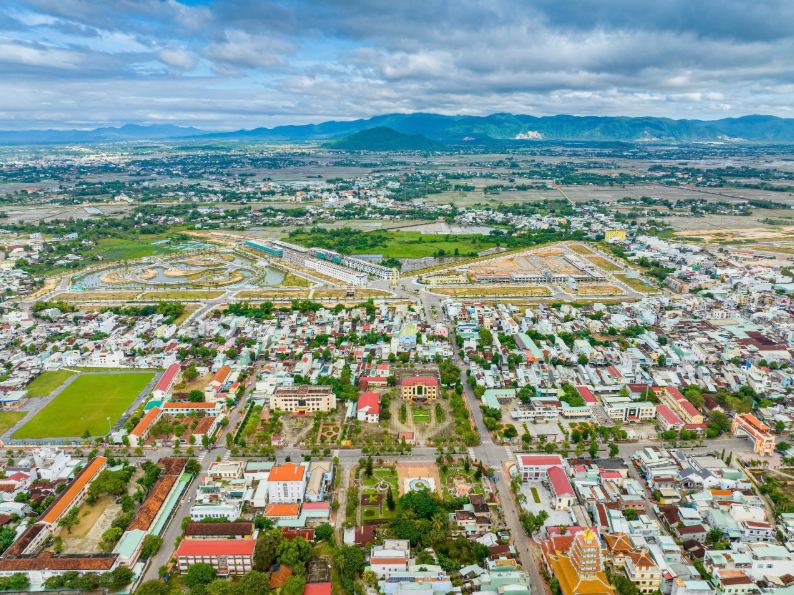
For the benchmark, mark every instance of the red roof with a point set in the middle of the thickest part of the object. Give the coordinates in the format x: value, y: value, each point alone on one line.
x: 167, y: 377
x: 287, y: 472
x: 689, y: 408
x: 675, y: 393
x: 424, y: 380
x: 611, y: 475
x: 317, y: 589
x: 586, y: 394
x: 668, y: 415
x: 559, y: 480
x: 530, y: 460
x: 216, y: 547
x: 316, y: 506
x: 370, y: 400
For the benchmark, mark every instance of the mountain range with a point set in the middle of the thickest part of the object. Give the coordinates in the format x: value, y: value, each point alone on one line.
x: 458, y: 130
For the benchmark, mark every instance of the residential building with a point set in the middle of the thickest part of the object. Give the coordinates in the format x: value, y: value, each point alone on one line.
x: 229, y: 557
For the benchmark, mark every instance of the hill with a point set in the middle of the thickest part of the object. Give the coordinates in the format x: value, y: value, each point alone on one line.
x: 384, y: 139
x: 754, y: 127
x: 125, y: 133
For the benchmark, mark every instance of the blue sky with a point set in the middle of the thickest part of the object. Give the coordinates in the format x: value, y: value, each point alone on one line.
x: 229, y: 64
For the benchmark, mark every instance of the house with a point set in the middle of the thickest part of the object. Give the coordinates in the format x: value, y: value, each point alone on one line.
x: 226, y: 470
x: 321, y: 475
x: 757, y: 531
x: 368, y: 408
x: 643, y: 571
x: 697, y: 532
x: 618, y: 547
x: 166, y: 382
x: 229, y: 557
x: 561, y: 490
x: 536, y: 467
x: 287, y: 484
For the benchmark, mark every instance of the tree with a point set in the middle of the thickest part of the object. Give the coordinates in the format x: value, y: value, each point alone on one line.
x: 69, y: 520
x: 153, y: 587
x: 582, y: 360
x: 369, y: 577
x: 390, y: 504
x: 190, y: 374
x: 196, y: 396
x: 662, y: 361
x: 117, y: 579
x: 593, y: 450
x: 715, y: 535
x: 294, y: 553
x: 780, y: 427
x: 368, y: 467
x: 254, y: 583
x: 205, y: 441
x: 295, y: 585
x: 613, y: 450
x: 630, y: 514
x: 151, y: 545
x: 193, y: 467
x: 200, y: 574
x: 324, y: 532
x: 265, y: 551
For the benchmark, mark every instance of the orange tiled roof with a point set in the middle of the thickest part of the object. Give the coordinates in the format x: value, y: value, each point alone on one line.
x: 282, y: 510
x: 146, y: 420
x: 618, y: 543
x: 66, y: 498
x: 288, y: 472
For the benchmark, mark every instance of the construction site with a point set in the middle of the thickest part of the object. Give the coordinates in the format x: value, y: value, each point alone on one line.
x: 558, y: 265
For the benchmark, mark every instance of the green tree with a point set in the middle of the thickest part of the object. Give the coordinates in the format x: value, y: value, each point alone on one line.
x: 295, y: 585
x: 613, y: 450
x: 390, y: 504
x: 196, y: 396
x: 193, y: 467
x: 593, y: 450
x: 200, y: 574
x: 265, y: 550
x: 630, y: 514
x: 151, y: 545
x: 582, y: 360
x: 153, y: 587
x: 324, y: 532
x: 254, y: 583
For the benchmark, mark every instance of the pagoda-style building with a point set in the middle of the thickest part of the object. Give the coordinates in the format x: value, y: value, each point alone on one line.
x: 576, y: 561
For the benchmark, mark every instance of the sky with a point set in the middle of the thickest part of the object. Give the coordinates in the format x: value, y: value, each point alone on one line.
x: 231, y: 64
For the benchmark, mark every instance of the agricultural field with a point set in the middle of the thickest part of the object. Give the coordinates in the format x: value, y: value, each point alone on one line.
x: 603, y: 263
x: 85, y: 405
x: 637, y: 284
x: 46, y: 382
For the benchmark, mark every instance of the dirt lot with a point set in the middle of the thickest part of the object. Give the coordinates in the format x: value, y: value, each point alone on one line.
x: 423, y: 430
x: 199, y: 382
x: 492, y: 291
x: 599, y: 290
x: 724, y: 233
x: 580, y: 249
x: 94, y: 520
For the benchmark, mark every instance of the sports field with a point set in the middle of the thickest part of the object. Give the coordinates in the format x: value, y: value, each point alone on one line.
x: 46, y: 382
x: 8, y: 419
x: 85, y: 405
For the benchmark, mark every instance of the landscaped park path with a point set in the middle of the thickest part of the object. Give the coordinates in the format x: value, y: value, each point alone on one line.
x: 34, y: 405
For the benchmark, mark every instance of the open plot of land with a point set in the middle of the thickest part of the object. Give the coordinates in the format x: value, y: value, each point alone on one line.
x: 293, y: 280
x: 265, y: 294
x: 531, y: 489
x: 180, y: 295
x: 599, y: 290
x: 94, y: 520
x: 603, y: 263
x: 46, y: 382
x: 8, y: 419
x: 780, y: 249
x: 85, y: 405
x: 724, y: 234
x: 637, y: 284
x: 580, y: 249
x: 491, y: 291
x: 97, y: 296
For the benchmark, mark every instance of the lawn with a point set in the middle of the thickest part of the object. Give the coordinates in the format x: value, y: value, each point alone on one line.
x: 46, y: 382
x: 421, y: 414
x: 8, y: 419
x: 85, y: 405
x: 292, y: 280
x: 535, y: 495
x: 121, y: 249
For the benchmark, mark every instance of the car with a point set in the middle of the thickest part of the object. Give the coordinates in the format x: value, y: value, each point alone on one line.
x: 189, y: 500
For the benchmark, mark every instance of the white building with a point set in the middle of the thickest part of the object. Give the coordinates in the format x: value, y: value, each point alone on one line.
x: 286, y: 484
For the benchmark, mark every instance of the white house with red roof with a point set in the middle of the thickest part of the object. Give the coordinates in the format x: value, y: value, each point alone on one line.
x: 536, y: 467
x: 287, y: 484
x: 166, y: 382
x: 667, y: 419
x: 562, y: 492
x: 368, y: 408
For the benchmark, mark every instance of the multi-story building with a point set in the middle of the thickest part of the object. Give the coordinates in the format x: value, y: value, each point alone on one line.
x: 536, y: 467
x: 419, y: 387
x: 75, y: 493
x: 643, y: 572
x: 561, y: 490
x: 577, y: 564
x: 303, y: 399
x: 229, y: 557
x: 625, y: 410
x: 287, y: 484
x: 746, y: 424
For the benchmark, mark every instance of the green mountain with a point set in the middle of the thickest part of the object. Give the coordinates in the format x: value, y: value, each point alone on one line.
x: 754, y: 127
x: 384, y: 139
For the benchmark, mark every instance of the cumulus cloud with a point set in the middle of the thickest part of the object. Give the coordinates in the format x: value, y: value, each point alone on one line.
x: 177, y: 58
x: 308, y: 60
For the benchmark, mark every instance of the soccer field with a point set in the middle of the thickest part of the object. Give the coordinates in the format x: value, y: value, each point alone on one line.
x: 85, y: 405
x: 46, y: 382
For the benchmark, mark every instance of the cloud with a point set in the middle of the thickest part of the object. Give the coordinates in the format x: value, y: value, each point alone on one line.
x: 298, y: 61
x: 177, y: 58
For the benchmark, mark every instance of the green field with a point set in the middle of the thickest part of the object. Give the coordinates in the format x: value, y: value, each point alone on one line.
x: 85, y: 405
x: 409, y: 244
x: 120, y: 249
x: 46, y: 382
x: 8, y: 419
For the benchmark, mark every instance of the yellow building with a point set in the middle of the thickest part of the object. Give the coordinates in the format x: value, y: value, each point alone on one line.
x: 643, y: 572
x: 615, y: 234
x: 580, y: 567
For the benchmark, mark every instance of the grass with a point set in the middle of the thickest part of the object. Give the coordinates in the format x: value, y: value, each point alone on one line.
x: 535, y: 495
x: 780, y: 249
x: 421, y: 414
x: 580, y: 249
x: 265, y: 294
x: 603, y: 263
x: 85, y: 405
x: 8, y: 419
x: 121, y: 249
x: 46, y: 382
x: 180, y: 295
x: 491, y: 291
x: 292, y: 280
x: 637, y: 284
x: 413, y: 244
x: 90, y: 296
x: 599, y: 290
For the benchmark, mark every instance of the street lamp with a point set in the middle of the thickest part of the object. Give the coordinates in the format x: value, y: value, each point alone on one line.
x: 108, y: 425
